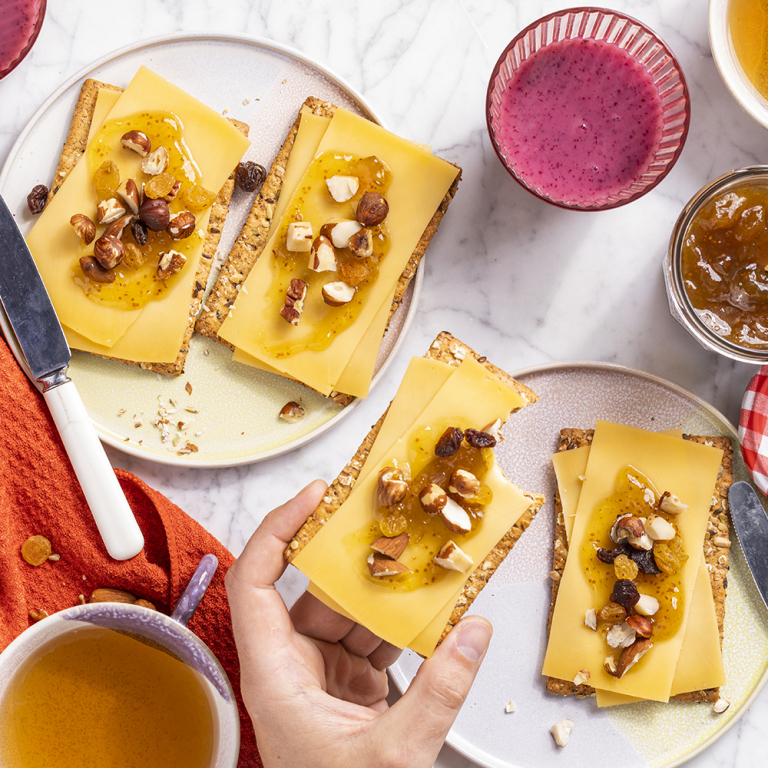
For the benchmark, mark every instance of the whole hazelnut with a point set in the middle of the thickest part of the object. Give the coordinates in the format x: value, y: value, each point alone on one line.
x: 372, y: 209
x: 85, y: 228
x: 108, y: 251
x: 155, y: 214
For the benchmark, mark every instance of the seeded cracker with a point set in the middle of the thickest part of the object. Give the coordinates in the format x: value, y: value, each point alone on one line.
x: 74, y: 147
x: 447, y: 349
x: 255, y: 233
x: 716, y: 557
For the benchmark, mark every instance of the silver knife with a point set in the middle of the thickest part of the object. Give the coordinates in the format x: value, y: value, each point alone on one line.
x: 42, y: 342
x: 751, y: 524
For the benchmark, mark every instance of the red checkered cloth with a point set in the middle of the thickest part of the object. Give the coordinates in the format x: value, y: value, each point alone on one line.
x: 753, y: 428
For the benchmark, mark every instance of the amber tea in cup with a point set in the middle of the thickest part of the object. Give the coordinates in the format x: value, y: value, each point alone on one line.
x: 96, y: 697
x: 112, y: 685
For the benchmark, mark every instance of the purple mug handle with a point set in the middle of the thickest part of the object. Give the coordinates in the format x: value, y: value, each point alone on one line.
x: 195, y: 590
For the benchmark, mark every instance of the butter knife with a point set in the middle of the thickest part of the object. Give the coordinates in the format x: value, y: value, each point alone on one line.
x: 751, y: 524
x: 42, y: 343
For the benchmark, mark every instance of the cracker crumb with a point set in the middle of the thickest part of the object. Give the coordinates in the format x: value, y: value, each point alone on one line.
x: 121, y: 412
x: 225, y: 111
x: 510, y: 707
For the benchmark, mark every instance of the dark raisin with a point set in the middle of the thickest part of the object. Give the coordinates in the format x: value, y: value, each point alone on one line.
x: 609, y: 555
x: 449, y: 442
x: 139, y: 231
x: 250, y: 176
x: 625, y: 593
x: 478, y: 439
x: 36, y: 199
x: 644, y: 560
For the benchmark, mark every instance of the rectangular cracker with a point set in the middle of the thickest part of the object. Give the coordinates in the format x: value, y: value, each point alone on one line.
x: 74, y: 147
x: 716, y: 557
x: 254, y: 235
x: 447, y: 349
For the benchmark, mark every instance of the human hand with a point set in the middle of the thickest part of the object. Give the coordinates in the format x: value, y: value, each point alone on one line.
x: 314, y: 682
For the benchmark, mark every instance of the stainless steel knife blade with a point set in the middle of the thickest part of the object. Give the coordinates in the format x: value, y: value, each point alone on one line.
x: 751, y: 524
x: 27, y: 304
x: 40, y: 339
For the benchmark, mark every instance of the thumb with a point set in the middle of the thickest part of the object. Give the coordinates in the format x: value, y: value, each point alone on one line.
x: 440, y: 687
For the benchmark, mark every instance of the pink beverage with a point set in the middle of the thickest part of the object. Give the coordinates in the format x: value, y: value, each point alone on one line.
x: 580, y: 119
x: 20, y: 22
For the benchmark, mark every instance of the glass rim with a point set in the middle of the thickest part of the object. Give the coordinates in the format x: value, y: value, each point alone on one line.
x: 574, y: 12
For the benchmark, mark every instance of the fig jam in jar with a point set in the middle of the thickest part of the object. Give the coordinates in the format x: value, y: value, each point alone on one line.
x: 724, y: 264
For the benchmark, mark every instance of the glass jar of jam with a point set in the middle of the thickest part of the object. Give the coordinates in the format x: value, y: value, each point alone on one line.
x: 717, y: 266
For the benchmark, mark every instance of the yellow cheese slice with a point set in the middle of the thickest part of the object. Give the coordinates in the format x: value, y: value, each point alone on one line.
x: 700, y: 665
x: 422, y: 380
x: 335, y: 558
x: 419, y: 183
x: 687, y: 469
x: 216, y: 146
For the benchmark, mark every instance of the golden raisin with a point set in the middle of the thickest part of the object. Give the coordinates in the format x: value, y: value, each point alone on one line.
x: 134, y: 256
x: 625, y: 568
x: 197, y: 198
x: 482, y: 496
x: 352, y: 272
x: 612, y: 613
x: 106, y: 180
x: 669, y: 555
x: 159, y: 186
x: 36, y: 550
x: 393, y: 524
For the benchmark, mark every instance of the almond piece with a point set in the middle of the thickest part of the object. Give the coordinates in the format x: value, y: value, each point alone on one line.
x: 138, y: 141
x: 322, y: 255
x: 453, y: 558
x: 455, y: 517
x: 582, y: 676
x: 156, y: 161
x: 109, y: 210
x: 670, y: 504
x: 464, y: 484
x: 561, y: 732
x: 433, y: 498
x: 381, y: 565
x: 339, y: 232
x: 590, y: 619
x: 338, y: 293
x: 641, y: 624
x: 291, y: 412
x: 659, y: 529
x: 107, y: 595
x: 391, y: 547
x: 647, y: 605
x: 130, y: 194
x: 342, y: 188
x: 620, y: 635
x: 631, y: 655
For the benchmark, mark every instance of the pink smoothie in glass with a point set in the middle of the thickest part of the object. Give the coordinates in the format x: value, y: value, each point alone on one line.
x: 19, y: 27
x: 580, y: 119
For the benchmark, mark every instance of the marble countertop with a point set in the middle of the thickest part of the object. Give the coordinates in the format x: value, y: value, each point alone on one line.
x: 521, y: 281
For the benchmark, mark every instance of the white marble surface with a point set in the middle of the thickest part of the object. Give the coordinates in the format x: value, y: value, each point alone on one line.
x: 521, y: 281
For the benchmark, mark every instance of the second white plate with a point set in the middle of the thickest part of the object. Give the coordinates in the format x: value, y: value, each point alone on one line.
x: 517, y: 599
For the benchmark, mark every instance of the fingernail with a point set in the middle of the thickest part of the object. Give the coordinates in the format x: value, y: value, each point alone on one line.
x: 474, y: 637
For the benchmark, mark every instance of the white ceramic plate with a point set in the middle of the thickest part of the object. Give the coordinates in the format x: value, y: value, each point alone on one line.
x: 518, y: 597
x: 263, y: 84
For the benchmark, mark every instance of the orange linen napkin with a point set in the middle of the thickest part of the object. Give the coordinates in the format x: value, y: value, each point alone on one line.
x: 39, y: 494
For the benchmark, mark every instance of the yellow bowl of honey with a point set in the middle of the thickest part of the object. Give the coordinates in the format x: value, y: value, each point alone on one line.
x: 737, y: 36
x: 716, y: 270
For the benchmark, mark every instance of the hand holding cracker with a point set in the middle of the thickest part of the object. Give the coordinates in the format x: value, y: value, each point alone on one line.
x: 313, y: 682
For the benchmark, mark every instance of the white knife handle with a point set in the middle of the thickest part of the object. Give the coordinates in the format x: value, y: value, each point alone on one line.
x: 118, y: 527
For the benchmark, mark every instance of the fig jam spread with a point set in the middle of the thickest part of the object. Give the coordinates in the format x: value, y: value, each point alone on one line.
x: 725, y: 265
